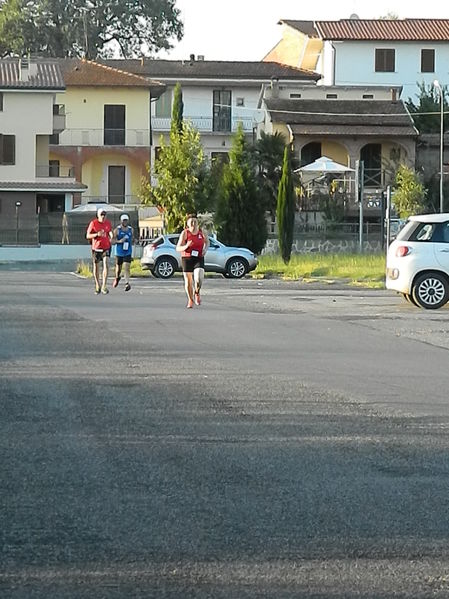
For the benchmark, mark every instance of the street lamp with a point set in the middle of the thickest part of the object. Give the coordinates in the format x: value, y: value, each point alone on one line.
x: 436, y: 84
x: 18, y: 204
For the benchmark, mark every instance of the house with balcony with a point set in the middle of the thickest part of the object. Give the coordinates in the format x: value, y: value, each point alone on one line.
x: 217, y: 95
x: 347, y: 124
x: 401, y: 52
x: 30, y: 113
x: 107, y: 135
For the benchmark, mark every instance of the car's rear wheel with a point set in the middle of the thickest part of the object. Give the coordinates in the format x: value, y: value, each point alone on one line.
x: 430, y: 291
x: 165, y: 268
x: 236, y: 268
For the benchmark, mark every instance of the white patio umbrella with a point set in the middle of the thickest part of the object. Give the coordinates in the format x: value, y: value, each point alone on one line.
x: 94, y: 207
x: 324, y: 165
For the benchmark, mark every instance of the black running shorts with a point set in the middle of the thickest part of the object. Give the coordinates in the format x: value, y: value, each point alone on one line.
x: 98, y: 255
x: 120, y: 259
x: 190, y: 264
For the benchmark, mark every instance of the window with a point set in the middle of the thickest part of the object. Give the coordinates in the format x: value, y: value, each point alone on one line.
x: 295, y: 96
x: 385, y: 59
x: 54, y: 139
x: 221, y: 110
x: 310, y: 152
x: 1, y: 101
x: 163, y: 105
x: 331, y: 96
x: 427, y: 61
x: 53, y: 168
x: 368, y: 96
x: 114, y: 125
x: 7, y: 149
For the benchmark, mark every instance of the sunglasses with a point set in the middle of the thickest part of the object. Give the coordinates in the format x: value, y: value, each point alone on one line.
x: 102, y: 213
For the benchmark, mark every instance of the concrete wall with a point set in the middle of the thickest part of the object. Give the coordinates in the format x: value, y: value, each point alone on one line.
x: 355, y: 63
x: 25, y: 115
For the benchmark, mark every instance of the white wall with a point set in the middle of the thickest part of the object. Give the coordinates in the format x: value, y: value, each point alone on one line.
x: 355, y: 65
x: 25, y: 115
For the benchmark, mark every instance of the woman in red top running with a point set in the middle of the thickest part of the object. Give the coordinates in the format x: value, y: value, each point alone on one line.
x: 193, y: 244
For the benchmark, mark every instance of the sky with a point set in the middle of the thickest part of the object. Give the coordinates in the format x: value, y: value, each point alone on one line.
x: 247, y: 29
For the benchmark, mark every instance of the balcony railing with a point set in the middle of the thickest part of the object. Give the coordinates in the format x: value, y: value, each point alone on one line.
x: 55, y: 170
x: 119, y: 201
x: 205, y: 124
x: 103, y: 137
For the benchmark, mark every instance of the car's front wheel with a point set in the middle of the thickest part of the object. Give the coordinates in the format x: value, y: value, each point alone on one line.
x: 430, y: 291
x: 165, y: 268
x: 236, y: 268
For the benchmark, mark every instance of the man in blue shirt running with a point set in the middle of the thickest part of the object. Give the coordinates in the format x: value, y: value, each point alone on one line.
x: 123, y: 238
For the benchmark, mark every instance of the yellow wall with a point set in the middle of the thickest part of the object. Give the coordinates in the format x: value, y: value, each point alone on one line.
x: 290, y: 49
x: 335, y: 152
x: 311, y: 55
x: 84, y: 106
x: 41, y: 150
x: 95, y: 174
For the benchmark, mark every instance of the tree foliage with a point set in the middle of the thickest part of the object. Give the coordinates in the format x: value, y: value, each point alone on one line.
x: 426, y: 113
x: 410, y: 194
x: 240, y: 216
x: 177, y: 110
x: 269, y: 153
x: 285, y: 213
x: 95, y: 28
x: 181, y: 171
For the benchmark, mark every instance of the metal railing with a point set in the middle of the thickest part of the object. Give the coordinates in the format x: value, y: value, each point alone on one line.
x: 55, y: 170
x: 103, y: 137
x: 119, y: 201
x: 205, y: 124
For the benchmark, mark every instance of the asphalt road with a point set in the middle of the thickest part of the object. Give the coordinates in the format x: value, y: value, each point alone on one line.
x: 280, y: 441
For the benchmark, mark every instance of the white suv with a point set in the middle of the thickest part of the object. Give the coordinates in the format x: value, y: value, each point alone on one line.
x: 418, y: 261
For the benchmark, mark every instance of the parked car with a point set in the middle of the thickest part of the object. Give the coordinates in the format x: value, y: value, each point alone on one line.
x: 161, y: 258
x: 418, y: 261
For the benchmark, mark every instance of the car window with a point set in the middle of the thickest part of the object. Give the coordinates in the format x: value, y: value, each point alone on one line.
x: 424, y: 232
x: 173, y: 240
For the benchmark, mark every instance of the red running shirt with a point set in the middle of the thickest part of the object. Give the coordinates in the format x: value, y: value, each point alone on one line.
x: 100, y: 244
x: 196, y: 249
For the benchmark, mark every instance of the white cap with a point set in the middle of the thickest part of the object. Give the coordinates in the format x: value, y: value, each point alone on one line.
x: 100, y: 211
x: 124, y: 217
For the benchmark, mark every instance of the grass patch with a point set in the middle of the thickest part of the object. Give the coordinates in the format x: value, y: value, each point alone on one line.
x: 84, y: 269
x: 359, y: 269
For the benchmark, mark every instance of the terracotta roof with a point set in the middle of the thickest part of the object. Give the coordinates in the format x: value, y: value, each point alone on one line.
x: 43, y: 74
x: 375, y: 117
x: 81, y: 72
x: 406, y: 30
x: 211, y: 69
x: 306, y: 27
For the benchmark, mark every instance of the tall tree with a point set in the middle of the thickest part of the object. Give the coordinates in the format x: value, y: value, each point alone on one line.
x: 426, y: 112
x: 240, y: 216
x: 177, y: 110
x: 96, y: 28
x: 285, y: 213
x: 269, y: 152
x: 180, y: 170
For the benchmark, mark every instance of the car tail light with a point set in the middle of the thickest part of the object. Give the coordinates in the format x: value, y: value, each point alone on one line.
x: 402, y: 250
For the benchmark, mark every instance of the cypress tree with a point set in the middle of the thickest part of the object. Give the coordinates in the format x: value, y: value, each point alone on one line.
x: 240, y: 216
x: 285, y: 212
x: 177, y: 110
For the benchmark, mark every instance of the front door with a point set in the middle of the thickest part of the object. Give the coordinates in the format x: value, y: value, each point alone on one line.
x: 116, y: 184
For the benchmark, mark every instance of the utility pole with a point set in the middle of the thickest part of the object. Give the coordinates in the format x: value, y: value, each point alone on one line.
x: 359, y: 177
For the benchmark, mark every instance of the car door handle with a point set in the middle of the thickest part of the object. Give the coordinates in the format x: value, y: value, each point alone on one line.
x: 445, y: 251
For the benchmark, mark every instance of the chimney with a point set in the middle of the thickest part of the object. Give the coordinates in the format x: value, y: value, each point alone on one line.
x: 24, y: 68
x: 274, y: 85
x: 192, y: 58
x: 200, y: 57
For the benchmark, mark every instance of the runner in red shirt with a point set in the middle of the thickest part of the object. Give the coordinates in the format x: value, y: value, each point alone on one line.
x: 193, y: 244
x: 99, y: 232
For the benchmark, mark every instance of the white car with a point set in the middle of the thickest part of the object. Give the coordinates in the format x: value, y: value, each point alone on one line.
x: 418, y: 261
